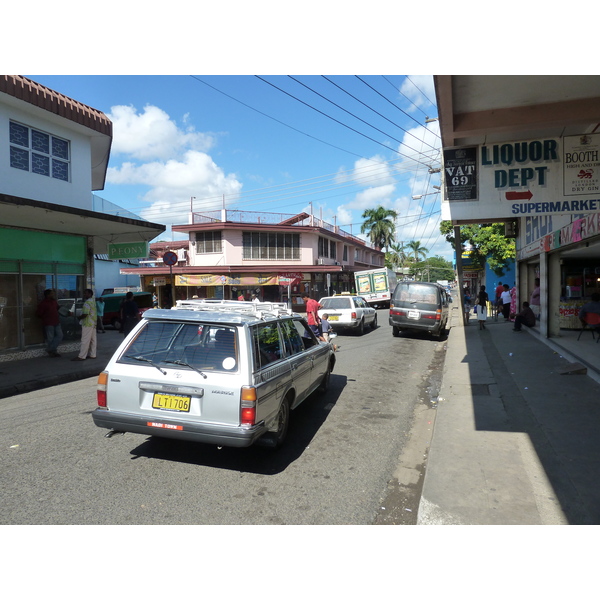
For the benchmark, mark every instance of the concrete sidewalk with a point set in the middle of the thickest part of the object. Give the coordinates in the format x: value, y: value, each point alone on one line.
x: 515, y: 441
x: 27, y: 375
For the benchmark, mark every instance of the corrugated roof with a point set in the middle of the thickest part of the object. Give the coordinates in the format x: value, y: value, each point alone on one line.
x: 38, y: 95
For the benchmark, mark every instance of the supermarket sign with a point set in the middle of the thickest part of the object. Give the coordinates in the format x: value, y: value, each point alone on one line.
x: 522, y: 178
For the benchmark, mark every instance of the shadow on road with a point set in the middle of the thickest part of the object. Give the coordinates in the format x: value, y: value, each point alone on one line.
x: 305, y: 421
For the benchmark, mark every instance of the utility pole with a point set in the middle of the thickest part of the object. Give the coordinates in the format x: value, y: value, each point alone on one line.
x: 459, y: 272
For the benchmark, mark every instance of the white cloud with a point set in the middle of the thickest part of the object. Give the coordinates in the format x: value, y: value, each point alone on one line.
x: 170, y: 164
x: 173, y: 183
x: 372, y: 197
x: 420, y: 90
x: 152, y: 134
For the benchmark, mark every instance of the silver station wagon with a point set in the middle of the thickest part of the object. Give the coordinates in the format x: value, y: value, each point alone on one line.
x: 221, y: 372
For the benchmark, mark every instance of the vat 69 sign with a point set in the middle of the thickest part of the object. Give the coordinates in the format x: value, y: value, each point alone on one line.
x: 524, y: 178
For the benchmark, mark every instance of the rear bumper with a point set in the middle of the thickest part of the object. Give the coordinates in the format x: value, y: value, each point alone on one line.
x: 338, y: 325
x: 219, y: 435
x: 404, y: 323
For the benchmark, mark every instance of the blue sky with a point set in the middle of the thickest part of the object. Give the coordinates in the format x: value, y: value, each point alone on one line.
x: 335, y: 145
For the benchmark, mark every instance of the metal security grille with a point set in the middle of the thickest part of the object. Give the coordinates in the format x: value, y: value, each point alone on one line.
x: 38, y: 152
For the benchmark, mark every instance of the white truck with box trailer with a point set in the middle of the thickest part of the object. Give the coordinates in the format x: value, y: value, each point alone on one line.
x: 376, y: 286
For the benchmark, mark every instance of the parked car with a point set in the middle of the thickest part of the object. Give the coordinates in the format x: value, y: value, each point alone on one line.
x: 419, y: 306
x: 346, y: 311
x: 220, y: 372
x: 112, y: 307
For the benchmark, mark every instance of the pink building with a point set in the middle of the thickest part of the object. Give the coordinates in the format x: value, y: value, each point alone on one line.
x: 238, y: 253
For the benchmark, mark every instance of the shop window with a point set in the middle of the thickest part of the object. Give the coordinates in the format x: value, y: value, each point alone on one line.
x: 38, y: 152
x: 9, y: 310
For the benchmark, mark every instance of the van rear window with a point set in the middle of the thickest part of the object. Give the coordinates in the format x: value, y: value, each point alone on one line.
x: 415, y: 293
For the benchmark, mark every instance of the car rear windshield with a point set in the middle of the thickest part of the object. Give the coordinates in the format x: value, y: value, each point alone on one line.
x: 198, y: 346
x: 416, y: 293
x: 335, y: 303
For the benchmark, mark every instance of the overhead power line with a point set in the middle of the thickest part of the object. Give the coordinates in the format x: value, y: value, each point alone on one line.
x: 339, y: 122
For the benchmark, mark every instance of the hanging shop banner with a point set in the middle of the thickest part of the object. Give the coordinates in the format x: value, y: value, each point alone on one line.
x: 289, y: 278
x: 251, y: 279
x: 528, y: 178
x: 128, y: 250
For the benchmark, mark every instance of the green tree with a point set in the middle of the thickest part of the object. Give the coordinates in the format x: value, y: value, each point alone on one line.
x: 433, y: 269
x: 380, y: 226
x: 488, y: 242
x: 417, y: 250
x: 395, y: 257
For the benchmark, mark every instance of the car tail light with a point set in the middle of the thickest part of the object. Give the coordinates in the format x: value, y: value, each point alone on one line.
x: 353, y: 315
x: 248, y: 414
x: 101, y: 389
x: 438, y: 314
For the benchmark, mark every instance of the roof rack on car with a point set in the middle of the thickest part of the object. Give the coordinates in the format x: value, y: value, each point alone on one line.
x: 258, y: 309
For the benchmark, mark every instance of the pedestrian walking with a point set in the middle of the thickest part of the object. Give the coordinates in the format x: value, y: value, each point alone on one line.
x: 88, y: 321
x: 312, y: 316
x: 47, y: 310
x: 497, y: 305
x: 467, y: 304
x: 100, y: 314
x: 505, y: 297
x: 481, y: 306
x: 130, y: 312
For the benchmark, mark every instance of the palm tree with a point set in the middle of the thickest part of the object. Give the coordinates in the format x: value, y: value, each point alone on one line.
x: 396, y: 255
x: 418, y: 251
x: 380, y: 226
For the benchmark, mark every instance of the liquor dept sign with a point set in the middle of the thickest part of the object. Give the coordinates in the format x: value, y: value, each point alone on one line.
x: 533, y: 177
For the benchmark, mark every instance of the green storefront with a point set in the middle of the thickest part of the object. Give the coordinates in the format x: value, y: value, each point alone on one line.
x: 30, y: 262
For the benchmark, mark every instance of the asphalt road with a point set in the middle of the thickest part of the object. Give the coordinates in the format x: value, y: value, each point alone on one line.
x: 343, y: 462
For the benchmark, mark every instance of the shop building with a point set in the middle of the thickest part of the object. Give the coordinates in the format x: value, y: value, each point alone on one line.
x: 54, y: 153
x: 525, y: 150
x: 277, y: 257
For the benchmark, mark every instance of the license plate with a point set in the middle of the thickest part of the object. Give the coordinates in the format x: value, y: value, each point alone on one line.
x: 414, y: 314
x: 171, y: 402
x: 333, y: 318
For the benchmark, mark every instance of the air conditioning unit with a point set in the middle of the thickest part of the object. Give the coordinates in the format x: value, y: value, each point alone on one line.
x: 321, y: 261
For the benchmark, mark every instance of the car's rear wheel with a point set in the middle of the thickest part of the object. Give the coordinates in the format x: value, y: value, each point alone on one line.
x: 283, y: 423
x: 361, y: 327
x: 374, y: 323
x: 324, y: 385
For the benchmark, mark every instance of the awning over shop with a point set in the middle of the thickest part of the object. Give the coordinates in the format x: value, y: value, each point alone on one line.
x: 249, y: 279
x: 103, y: 229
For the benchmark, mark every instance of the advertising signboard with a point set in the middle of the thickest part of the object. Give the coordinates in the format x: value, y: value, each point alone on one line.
x: 128, y: 250
x: 527, y: 178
